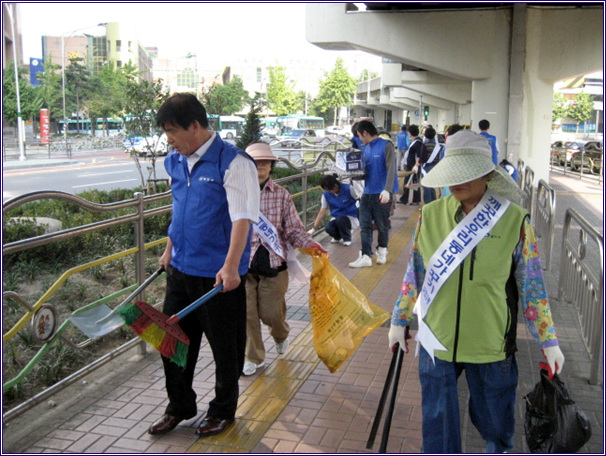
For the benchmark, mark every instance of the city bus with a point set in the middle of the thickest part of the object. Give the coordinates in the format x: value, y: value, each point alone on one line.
x: 111, y: 127
x: 300, y: 122
x: 227, y: 127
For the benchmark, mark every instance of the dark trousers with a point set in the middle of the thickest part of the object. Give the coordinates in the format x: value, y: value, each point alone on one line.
x: 372, y: 210
x: 223, y: 321
x: 339, y: 228
x: 416, y: 193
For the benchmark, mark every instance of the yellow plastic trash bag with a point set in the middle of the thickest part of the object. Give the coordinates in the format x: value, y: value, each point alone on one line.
x: 341, y: 316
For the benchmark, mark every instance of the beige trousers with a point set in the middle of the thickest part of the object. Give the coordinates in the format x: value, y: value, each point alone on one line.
x: 265, y: 302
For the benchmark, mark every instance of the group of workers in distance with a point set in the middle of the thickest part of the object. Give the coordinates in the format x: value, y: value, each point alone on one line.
x: 473, y: 258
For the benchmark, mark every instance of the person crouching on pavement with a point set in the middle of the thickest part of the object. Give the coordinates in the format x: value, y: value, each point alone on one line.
x: 474, y: 256
x: 340, y: 198
x: 267, y: 278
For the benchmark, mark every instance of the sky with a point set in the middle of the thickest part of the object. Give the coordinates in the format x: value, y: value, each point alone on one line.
x: 215, y: 32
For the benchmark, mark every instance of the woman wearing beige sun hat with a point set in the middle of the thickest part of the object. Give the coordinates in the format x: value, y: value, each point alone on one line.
x: 473, y: 257
x: 279, y: 229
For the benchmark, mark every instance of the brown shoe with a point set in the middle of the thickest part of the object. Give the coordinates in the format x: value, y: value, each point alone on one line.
x: 165, y: 424
x: 212, y: 426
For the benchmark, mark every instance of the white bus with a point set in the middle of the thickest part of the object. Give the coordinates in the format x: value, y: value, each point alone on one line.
x: 227, y: 127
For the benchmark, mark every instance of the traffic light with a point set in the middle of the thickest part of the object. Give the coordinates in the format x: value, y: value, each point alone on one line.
x: 426, y: 111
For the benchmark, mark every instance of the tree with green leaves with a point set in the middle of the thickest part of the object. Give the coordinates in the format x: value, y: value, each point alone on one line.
x: 560, y: 107
x: 227, y: 99
x: 336, y: 90
x: 77, y: 82
x: 281, y: 96
x: 252, y: 128
x: 365, y: 75
x: 581, y: 109
x: 29, y: 100
x: 142, y: 101
x: 107, y: 98
x: 50, y: 89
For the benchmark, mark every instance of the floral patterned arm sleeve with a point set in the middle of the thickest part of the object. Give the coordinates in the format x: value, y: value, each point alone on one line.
x: 413, y: 280
x: 531, y: 288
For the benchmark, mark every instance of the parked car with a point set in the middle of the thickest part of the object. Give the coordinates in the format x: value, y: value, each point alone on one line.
x: 293, y: 137
x: 562, y: 152
x: 334, y: 130
x: 143, y: 145
x: 590, y: 157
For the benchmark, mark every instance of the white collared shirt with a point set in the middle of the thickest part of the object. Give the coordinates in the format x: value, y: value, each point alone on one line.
x: 241, y: 184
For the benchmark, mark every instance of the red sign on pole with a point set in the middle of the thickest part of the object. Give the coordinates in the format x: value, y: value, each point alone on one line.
x: 44, y: 126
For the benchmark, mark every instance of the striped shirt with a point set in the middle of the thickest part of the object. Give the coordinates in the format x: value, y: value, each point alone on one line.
x: 278, y: 207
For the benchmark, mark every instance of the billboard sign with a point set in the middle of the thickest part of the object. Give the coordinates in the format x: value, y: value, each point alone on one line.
x: 35, y: 66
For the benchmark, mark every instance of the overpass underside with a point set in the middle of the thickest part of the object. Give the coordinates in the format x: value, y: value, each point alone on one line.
x: 468, y: 62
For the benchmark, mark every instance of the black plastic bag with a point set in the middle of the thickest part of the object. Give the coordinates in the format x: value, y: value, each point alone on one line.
x: 553, y: 422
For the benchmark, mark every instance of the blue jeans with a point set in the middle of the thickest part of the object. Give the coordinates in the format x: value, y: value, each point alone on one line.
x: 371, y: 210
x: 339, y: 228
x: 492, y: 391
x: 429, y: 195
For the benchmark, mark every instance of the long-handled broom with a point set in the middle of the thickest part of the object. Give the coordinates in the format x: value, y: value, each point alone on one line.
x: 161, y: 330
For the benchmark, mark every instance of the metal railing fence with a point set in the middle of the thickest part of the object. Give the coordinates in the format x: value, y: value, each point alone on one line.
x: 544, y: 220
x: 140, y: 211
x: 581, y: 283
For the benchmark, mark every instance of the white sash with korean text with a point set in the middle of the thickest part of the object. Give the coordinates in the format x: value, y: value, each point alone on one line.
x: 458, y: 244
x: 268, y: 232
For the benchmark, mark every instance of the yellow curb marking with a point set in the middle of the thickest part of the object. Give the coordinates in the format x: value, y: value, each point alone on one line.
x: 264, y: 400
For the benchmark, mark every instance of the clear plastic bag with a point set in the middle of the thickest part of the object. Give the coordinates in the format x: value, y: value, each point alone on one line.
x: 553, y: 422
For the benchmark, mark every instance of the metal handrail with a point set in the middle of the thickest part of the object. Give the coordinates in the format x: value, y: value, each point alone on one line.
x: 528, y: 190
x: 544, y: 220
x: 579, y: 284
x: 138, y: 217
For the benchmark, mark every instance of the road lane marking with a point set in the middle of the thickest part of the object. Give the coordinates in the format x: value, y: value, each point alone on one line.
x: 104, y: 174
x: 103, y: 183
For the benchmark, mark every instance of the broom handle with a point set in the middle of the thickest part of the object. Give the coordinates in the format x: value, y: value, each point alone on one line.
x: 133, y: 295
x: 194, y: 305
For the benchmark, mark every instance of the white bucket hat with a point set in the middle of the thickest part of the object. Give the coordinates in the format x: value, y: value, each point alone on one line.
x: 261, y: 151
x: 468, y: 157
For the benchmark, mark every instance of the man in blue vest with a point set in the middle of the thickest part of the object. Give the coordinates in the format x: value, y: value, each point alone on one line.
x: 215, y: 198
x: 484, y: 125
x: 380, y: 181
x: 403, y: 142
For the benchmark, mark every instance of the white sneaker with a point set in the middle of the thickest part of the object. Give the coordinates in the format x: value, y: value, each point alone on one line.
x: 381, y: 255
x: 335, y: 241
x: 250, y: 368
x: 362, y: 262
x: 281, y: 347
x: 345, y: 243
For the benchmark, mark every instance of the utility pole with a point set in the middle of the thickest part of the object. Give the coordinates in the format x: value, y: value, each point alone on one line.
x: 19, y: 119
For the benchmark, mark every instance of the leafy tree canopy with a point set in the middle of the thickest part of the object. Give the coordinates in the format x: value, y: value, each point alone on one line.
x: 581, y: 108
x: 281, y: 96
x: 29, y: 100
x: 226, y: 99
x: 336, y: 89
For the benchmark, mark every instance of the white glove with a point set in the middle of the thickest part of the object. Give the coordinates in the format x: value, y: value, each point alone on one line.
x: 415, y: 169
x: 555, y: 359
x: 384, y: 197
x: 312, y: 231
x: 396, y: 336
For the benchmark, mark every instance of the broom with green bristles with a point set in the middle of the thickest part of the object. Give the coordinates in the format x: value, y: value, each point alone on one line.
x: 161, y: 330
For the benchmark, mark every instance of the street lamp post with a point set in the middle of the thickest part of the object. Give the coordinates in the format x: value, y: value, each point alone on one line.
x: 19, y: 119
x: 63, y: 41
